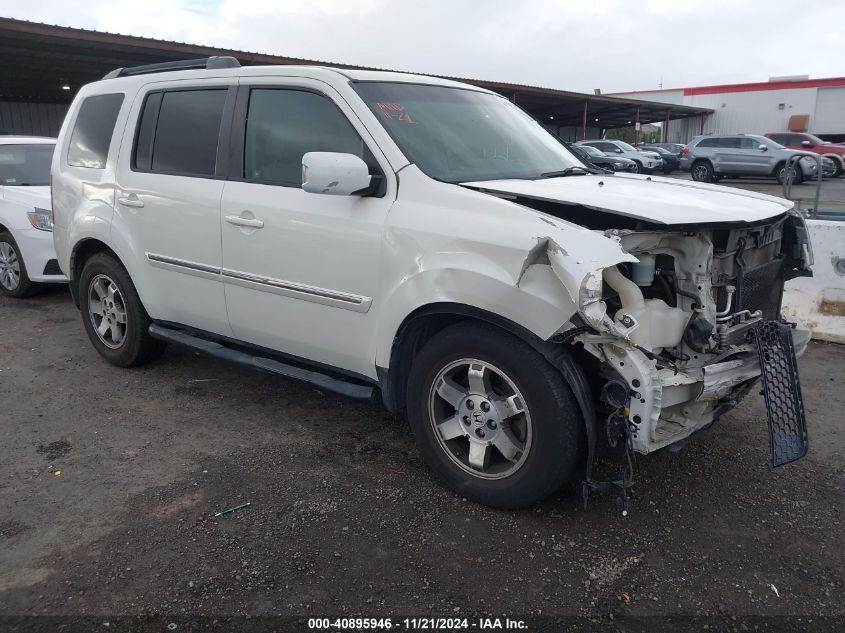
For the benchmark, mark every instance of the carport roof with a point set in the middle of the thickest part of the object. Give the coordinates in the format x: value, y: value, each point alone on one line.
x: 38, y: 59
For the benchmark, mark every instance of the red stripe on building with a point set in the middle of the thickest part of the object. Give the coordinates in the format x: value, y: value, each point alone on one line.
x: 768, y: 85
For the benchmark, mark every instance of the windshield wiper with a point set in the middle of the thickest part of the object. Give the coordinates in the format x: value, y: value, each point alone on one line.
x: 575, y: 170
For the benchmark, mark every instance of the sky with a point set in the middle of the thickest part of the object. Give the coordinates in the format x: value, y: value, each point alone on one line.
x: 613, y: 45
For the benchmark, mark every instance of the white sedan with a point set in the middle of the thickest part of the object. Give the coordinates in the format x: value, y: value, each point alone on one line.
x: 27, y: 255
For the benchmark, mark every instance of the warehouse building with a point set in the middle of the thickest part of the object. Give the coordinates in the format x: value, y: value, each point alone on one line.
x: 44, y: 65
x: 782, y: 104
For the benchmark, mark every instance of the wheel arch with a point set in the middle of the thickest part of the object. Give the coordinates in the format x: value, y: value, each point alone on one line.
x: 82, y: 251
x: 426, y: 321
x: 837, y: 158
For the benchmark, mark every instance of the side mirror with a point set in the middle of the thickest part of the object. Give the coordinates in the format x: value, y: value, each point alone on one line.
x: 763, y: 148
x: 806, y: 144
x: 335, y: 174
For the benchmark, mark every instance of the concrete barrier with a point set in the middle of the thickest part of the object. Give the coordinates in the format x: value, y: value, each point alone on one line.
x: 819, y: 301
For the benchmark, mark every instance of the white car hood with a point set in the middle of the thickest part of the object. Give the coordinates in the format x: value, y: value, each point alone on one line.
x: 658, y: 200
x: 28, y: 196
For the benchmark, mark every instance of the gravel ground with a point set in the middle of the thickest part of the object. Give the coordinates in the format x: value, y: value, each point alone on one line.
x: 109, y: 481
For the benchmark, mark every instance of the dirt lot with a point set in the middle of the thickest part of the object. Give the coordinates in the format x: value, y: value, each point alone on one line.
x: 109, y: 480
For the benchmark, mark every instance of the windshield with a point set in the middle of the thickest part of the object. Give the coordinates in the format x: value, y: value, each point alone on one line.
x: 817, y: 140
x: 592, y: 151
x: 458, y: 135
x: 22, y: 165
x: 626, y: 147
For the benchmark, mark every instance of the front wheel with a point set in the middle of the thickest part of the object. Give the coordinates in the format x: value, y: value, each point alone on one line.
x: 492, y: 418
x: 14, y: 281
x: 638, y: 167
x: 797, y: 174
x: 114, y: 318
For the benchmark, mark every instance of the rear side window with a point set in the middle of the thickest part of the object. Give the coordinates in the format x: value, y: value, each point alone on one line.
x: 708, y: 142
x: 282, y: 125
x: 178, y: 132
x: 92, y: 131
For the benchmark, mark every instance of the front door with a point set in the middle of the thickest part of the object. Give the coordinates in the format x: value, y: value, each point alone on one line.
x: 301, y: 270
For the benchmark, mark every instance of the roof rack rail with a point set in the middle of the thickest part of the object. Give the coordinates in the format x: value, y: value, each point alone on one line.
x: 208, y: 63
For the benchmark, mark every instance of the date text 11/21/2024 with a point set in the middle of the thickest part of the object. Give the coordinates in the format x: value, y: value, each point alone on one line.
x: 418, y: 624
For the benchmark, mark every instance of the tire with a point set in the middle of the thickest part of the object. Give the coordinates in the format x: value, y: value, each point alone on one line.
x: 541, y: 429
x: 702, y: 171
x: 780, y: 174
x: 124, y: 340
x: 14, y: 280
x: 837, y: 164
x: 667, y: 170
x: 638, y: 167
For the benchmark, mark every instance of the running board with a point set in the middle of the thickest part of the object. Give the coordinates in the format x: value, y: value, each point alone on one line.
x: 336, y: 385
x: 782, y: 392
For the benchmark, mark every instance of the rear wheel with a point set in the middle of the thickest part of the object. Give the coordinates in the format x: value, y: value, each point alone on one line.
x: 702, y: 171
x: 14, y: 282
x: 114, y: 318
x: 493, y: 419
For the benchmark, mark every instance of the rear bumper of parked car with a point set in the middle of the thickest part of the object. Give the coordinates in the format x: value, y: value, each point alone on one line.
x: 39, y: 255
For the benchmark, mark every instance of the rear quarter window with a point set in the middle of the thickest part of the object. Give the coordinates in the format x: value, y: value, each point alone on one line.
x: 93, y: 130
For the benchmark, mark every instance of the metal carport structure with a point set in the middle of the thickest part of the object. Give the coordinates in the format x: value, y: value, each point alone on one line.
x: 44, y: 65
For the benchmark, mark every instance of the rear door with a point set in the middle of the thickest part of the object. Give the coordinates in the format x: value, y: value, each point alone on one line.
x: 302, y: 274
x: 168, y: 201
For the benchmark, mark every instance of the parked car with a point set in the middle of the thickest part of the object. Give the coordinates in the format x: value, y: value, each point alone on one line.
x: 671, y: 162
x: 675, y: 148
x: 646, y: 162
x: 810, y: 143
x: 27, y: 256
x: 711, y: 158
x: 600, y: 159
x: 513, y: 305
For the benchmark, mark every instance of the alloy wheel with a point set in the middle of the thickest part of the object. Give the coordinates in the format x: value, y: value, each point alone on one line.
x: 10, y: 267
x: 107, y: 310
x: 480, y: 418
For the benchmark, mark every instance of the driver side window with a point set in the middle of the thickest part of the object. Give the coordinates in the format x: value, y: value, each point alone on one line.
x: 282, y: 125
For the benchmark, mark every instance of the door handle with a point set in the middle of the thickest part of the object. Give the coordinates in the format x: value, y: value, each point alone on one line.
x: 250, y: 222
x: 132, y: 200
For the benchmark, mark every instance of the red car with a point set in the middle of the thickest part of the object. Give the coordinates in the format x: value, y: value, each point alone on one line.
x: 810, y: 143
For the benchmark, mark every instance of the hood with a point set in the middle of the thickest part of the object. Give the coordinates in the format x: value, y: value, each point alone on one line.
x: 38, y: 196
x: 658, y: 200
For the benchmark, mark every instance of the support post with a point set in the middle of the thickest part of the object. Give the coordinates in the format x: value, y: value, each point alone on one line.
x: 666, y: 127
x: 637, y: 128
x: 584, y: 123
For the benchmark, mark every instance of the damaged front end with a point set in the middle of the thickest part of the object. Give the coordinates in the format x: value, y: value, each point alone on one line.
x: 682, y: 334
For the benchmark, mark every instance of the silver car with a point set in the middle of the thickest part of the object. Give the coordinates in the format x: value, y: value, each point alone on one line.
x: 710, y: 158
x: 645, y: 161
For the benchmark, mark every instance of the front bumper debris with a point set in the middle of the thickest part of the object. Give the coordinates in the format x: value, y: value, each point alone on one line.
x: 782, y: 392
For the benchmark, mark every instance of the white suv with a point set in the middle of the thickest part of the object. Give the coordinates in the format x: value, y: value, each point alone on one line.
x: 429, y: 242
x: 645, y: 160
x: 27, y: 257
